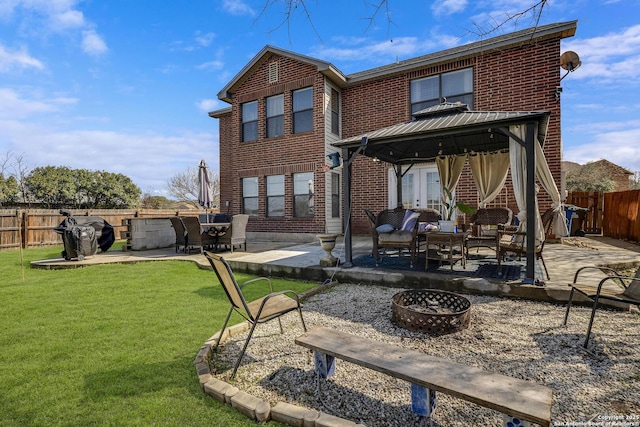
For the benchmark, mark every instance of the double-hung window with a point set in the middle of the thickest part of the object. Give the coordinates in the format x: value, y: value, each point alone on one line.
x: 303, y: 194
x: 275, y: 116
x: 250, y: 196
x: 454, y: 86
x: 303, y: 110
x: 275, y: 195
x: 250, y: 121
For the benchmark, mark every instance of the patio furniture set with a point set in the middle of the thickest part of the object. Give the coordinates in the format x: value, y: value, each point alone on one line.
x: 413, y: 231
x: 209, y: 233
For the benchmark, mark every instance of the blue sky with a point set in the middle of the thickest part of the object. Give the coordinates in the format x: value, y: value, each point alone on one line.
x: 125, y: 86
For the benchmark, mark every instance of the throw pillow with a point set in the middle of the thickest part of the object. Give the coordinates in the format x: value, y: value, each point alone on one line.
x: 385, y: 228
x: 409, y: 221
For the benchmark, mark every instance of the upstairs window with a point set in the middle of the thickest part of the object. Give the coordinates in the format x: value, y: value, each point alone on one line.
x: 250, y: 196
x: 303, y: 110
x: 454, y: 86
x: 275, y: 196
x: 303, y: 195
x: 275, y: 116
x: 250, y: 121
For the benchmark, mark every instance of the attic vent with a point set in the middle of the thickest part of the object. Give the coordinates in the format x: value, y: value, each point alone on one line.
x: 273, y: 72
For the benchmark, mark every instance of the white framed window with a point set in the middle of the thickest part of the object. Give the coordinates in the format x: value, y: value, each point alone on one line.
x: 335, y: 195
x: 303, y: 195
x: 250, y: 121
x: 250, y: 196
x: 453, y: 86
x: 275, y: 196
x: 275, y: 116
x: 303, y: 110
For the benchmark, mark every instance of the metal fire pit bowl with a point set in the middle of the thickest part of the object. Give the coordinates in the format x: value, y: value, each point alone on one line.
x: 431, y: 312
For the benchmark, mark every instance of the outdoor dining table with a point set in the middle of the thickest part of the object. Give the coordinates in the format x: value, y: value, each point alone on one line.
x: 445, y: 247
x: 215, y: 229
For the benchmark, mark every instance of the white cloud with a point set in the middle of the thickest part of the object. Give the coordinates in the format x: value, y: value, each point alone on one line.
x: 14, y: 106
x: 207, y: 105
x: 614, y: 56
x: 237, y: 7
x: 205, y: 39
x: 92, y: 43
x: 67, y: 19
x: 448, y: 7
x: 17, y: 59
x: 211, y: 66
x: 614, y: 141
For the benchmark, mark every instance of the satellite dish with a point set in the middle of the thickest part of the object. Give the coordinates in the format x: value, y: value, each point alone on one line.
x: 570, y: 61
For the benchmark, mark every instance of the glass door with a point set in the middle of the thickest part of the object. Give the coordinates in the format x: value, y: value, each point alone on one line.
x: 420, y: 188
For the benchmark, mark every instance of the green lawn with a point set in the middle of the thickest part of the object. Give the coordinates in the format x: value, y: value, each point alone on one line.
x: 108, y: 344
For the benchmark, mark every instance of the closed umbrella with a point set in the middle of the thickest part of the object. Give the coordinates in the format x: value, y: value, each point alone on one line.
x: 204, y: 193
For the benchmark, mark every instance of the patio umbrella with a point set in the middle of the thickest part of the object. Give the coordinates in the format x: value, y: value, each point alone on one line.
x: 204, y: 192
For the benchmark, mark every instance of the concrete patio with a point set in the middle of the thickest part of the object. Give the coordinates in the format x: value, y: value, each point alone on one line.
x: 301, y: 261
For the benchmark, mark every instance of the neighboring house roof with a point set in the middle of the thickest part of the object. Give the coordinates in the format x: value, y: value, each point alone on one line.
x: 565, y: 29
x: 612, y: 168
x: 449, y: 128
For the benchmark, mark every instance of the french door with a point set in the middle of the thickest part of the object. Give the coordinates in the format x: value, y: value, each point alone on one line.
x: 420, y: 188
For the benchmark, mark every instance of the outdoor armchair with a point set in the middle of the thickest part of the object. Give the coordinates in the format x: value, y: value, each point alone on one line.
x: 395, y: 229
x: 613, y: 288
x: 484, y: 227
x: 181, y: 232
x: 196, y: 238
x: 236, y: 234
x: 269, y: 307
x: 512, y: 241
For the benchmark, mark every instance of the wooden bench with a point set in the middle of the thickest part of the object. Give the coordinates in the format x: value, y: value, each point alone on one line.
x: 511, y: 396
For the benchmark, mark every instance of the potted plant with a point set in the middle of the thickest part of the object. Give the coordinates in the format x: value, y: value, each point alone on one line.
x: 450, y: 205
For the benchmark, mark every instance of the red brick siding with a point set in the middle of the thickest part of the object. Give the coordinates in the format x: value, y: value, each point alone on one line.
x: 521, y: 78
x: 284, y: 155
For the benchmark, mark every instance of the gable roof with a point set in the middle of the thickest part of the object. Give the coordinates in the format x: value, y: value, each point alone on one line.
x: 612, y: 168
x: 324, y: 67
x: 563, y: 29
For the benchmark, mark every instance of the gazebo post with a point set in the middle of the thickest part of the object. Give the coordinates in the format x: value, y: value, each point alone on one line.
x: 346, y: 190
x: 530, y: 139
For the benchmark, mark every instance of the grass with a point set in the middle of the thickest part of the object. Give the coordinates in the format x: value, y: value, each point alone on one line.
x: 109, y: 344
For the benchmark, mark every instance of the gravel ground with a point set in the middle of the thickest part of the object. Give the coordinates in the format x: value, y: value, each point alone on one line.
x: 523, y: 339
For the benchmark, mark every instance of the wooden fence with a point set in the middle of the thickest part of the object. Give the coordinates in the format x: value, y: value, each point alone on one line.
x: 34, y: 227
x: 621, y: 215
x: 610, y: 214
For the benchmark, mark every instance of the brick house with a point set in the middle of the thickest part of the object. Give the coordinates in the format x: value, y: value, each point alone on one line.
x: 286, y: 110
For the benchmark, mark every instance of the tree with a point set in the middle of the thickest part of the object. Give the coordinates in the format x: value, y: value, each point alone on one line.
x: 62, y: 187
x: 185, y: 186
x: 155, y: 202
x: 8, y: 190
x: 635, y: 182
x: 377, y: 7
x: 590, y: 177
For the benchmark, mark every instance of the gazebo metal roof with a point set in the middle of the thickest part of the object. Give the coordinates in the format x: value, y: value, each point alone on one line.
x: 446, y: 129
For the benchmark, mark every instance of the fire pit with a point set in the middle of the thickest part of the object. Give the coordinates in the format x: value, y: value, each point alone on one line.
x: 431, y: 312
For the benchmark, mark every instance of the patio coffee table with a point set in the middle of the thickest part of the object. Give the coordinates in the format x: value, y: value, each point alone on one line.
x: 441, y: 246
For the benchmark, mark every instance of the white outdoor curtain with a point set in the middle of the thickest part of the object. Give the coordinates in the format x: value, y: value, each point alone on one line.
x: 518, y: 156
x: 449, y: 170
x: 546, y: 179
x: 489, y: 172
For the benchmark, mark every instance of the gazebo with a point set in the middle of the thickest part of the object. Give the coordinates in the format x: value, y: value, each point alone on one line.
x: 448, y: 133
